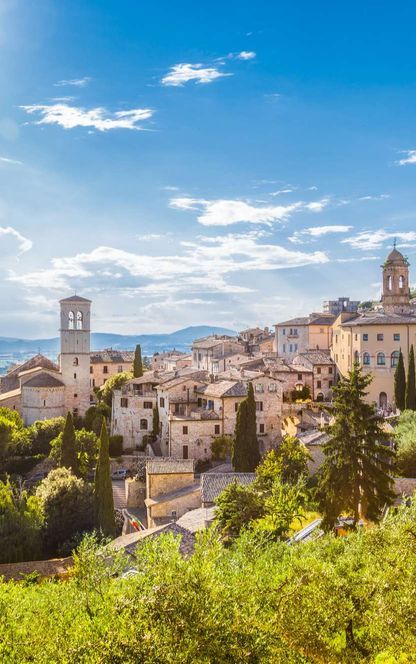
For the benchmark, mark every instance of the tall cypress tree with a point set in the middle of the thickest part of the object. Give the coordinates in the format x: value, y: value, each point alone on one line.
x: 245, y: 450
x: 355, y: 475
x: 155, y: 423
x: 103, y: 489
x: 137, y: 363
x: 400, y: 384
x: 411, y: 382
x: 69, y: 457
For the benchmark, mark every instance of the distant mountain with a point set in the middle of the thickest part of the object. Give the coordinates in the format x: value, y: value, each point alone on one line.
x: 150, y: 343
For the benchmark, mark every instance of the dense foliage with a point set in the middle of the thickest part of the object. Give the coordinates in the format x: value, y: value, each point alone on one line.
x: 400, y: 383
x: 405, y: 435
x: 245, y: 450
x: 86, y: 450
x: 14, y: 437
x: 333, y: 601
x: 113, y: 383
x: 355, y: 477
x: 68, y: 453
x: 137, y: 362
x: 103, y: 489
x: 21, y: 521
x: 411, y: 382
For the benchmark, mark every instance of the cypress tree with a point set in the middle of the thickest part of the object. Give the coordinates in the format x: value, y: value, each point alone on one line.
x: 355, y: 475
x: 245, y: 450
x: 411, y: 379
x: 138, y: 364
x: 103, y: 489
x: 400, y: 384
x: 69, y: 457
x: 155, y: 423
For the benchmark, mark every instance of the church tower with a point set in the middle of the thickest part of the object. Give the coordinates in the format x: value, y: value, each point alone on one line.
x: 74, y: 358
x: 396, y: 291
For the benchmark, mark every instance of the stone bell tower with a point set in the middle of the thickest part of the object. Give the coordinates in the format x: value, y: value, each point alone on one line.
x: 396, y: 291
x: 74, y: 358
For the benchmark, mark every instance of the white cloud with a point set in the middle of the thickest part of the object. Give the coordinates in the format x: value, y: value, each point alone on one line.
x: 368, y: 240
x: 410, y: 159
x: 147, y: 237
x: 223, y: 212
x: 246, y: 55
x: 182, y: 73
x: 23, y: 243
x: 300, y: 237
x: 7, y: 160
x: 317, y: 206
x: 381, y: 197
x: 281, y: 191
x: 76, y: 82
x: 70, y: 117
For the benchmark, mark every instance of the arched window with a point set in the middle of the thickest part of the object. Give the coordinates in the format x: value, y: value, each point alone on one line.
x: 366, y: 359
x: 382, y: 400
x: 75, y: 362
x: 143, y: 425
x: 71, y: 319
x: 390, y: 282
x: 319, y: 396
x: 356, y: 357
x: 394, y: 358
x: 401, y: 282
x: 381, y: 359
x: 79, y: 320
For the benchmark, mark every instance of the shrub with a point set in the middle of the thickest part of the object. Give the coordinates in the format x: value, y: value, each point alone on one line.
x: 116, y: 446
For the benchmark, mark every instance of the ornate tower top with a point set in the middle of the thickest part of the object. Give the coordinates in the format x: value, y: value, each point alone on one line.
x: 396, y: 291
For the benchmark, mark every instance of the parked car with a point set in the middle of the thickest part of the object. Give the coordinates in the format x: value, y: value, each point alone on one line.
x: 120, y: 474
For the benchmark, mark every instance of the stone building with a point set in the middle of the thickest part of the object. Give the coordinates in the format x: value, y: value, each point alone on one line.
x: 171, y: 490
x: 132, y: 409
x: 340, y: 305
x: 170, y: 360
x: 210, y: 354
x: 375, y: 338
x: 298, y: 335
x: 323, y: 372
x: 106, y: 363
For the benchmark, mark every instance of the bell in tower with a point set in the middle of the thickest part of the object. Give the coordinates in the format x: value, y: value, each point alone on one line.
x: 396, y: 291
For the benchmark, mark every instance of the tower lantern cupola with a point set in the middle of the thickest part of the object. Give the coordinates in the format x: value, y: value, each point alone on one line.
x: 396, y: 291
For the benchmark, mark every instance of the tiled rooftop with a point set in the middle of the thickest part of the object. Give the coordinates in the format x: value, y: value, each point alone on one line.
x: 212, y: 484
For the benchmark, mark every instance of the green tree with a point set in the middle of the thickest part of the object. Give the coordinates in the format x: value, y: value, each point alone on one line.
x: 155, y: 423
x: 20, y: 525
x: 288, y: 463
x: 14, y: 437
x: 103, y: 489
x: 400, y: 384
x: 43, y: 432
x: 237, y: 506
x: 67, y: 503
x: 137, y: 363
x: 94, y: 416
x: 282, y: 506
x: 405, y: 435
x: 411, y: 384
x: 221, y: 447
x: 69, y: 458
x: 86, y: 448
x: 245, y: 451
x: 355, y: 476
x: 113, y: 383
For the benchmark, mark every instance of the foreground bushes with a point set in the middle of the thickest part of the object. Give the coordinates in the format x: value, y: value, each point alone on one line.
x: 331, y: 601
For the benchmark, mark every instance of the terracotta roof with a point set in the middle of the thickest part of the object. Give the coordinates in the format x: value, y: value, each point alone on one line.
x: 396, y: 257
x: 162, y: 466
x: 196, y: 520
x: 315, y: 357
x: 11, y: 381
x: 43, y: 380
x: 211, y: 342
x: 312, y: 319
x: 109, y: 355
x: 224, y: 388
x: 380, y: 318
x: 75, y: 298
x: 45, y: 568
x: 212, y: 484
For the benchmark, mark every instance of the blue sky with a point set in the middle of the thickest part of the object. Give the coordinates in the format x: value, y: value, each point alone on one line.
x: 186, y: 163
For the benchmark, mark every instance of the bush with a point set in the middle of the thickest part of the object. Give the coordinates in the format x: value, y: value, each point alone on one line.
x: 405, y: 434
x: 221, y: 447
x: 42, y: 432
x: 116, y: 446
x: 20, y: 525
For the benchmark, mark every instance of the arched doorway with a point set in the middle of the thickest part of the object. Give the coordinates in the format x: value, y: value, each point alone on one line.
x: 319, y: 396
x: 382, y: 400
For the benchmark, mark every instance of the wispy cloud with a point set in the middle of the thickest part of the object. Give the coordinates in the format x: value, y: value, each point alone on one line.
x: 281, y: 191
x: 246, y: 55
x: 182, y: 73
x: 7, y: 160
x: 223, y: 212
x: 305, y: 235
x: 76, y: 82
x: 368, y: 240
x: 317, y: 206
x: 99, y: 118
x: 409, y: 159
x: 23, y: 243
x: 381, y: 197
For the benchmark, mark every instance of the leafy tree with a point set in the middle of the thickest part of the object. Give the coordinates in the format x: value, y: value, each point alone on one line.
x: 103, y: 489
x: 237, y: 506
x: 68, y: 457
x: 245, y: 452
x: 221, y: 447
x: 67, y: 503
x: 86, y: 449
x: 137, y: 363
x: 43, y: 432
x: 155, y: 424
x: 14, y: 437
x: 113, y: 383
x: 400, y: 384
x: 405, y: 435
x: 94, y: 416
x: 355, y: 476
x: 288, y: 463
x: 411, y: 382
x: 20, y: 525
x: 282, y: 506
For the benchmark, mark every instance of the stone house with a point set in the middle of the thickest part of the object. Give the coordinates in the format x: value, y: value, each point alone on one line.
x: 323, y: 372
x: 171, y: 490
x: 132, y: 409
x: 106, y: 363
x: 303, y: 333
x: 209, y: 351
x: 169, y: 360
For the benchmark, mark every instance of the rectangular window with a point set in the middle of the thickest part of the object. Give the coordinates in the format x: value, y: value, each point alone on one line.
x: 318, y: 383
x: 261, y: 428
x: 91, y: 370
x: 75, y: 376
x: 162, y: 402
x: 330, y: 370
x: 272, y: 387
x: 258, y: 387
x: 299, y: 376
x: 185, y: 452
x: 210, y: 404
x: 284, y: 348
x: 259, y: 406
x: 236, y: 405
x: 296, y: 347
x: 284, y: 331
x: 365, y: 337
x: 185, y: 431
x: 330, y: 383
x: 105, y: 369
x: 318, y: 370
x: 380, y: 336
x: 147, y: 404
x: 199, y: 402
x: 355, y: 337
x: 291, y: 348
x: 217, y: 429
x: 119, y: 368
x: 75, y: 396
x: 396, y: 337
x: 124, y: 402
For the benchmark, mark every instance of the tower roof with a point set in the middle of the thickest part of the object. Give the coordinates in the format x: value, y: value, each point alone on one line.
x: 396, y: 257
x: 75, y: 298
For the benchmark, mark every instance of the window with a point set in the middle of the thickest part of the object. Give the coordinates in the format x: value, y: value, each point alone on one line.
x: 259, y: 406
x: 120, y: 368
x: 330, y: 383
x: 394, y: 360
x: 217, y: 429
x: 75, y: 412
x: 147, y: 404
x: 380, y: 336
x: 396, y: 337
x: 284, y: 348
x: 355, y: 337
x: 199, y: 402
x: 318, y: 383
x: 299, y: 376
x: 390, y: 282
x: 79, y: 320
x: 161, y: 402
x: 143, y: 425
x: 401, y: 282
x: 71, y: 320
x: 272, y: 387
x: 318, y: 370
x: 75, y: 396
x: 91, y: 370
x: 258, y: 387
x: 185, y: 431
x: 381, y: 359
x: 296, y: 347
x: 93, y: 382
x: 75, y: 362
x: 185, y: 452
x: 105, y: 369
x: 291, y: 348
x: 124, y: 402
x: 75, y: 376
x: 261, y: 428
x: 366, y: 359
x: 284, y: 331
x: 236, y: 405
x: 356, y: 357
x: 365, y: 337
x: 210, y: 404
x: 330, y: 370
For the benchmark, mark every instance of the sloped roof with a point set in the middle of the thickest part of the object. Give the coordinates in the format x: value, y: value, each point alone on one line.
x: 316, y: 357
x: 212, y: 484
x: 395, y: 256
x: 211, y: 342
x: 162, y: 466
x: 312, y: 319
x: 11, y: 380
x: 380, y: 318
x: 109, y: 355
x: 130, y: 542
x: 75, y: 298
x: 43, y: 380
x: 224, y: 388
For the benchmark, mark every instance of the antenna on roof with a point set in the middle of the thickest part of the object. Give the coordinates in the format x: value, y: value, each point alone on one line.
x: 394, y: 242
